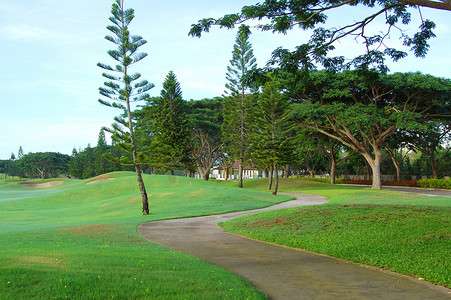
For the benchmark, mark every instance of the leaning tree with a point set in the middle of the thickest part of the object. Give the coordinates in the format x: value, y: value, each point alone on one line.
x: 124, y: 87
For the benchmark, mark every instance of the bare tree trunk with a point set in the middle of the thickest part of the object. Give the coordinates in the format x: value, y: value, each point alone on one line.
x: 333, y: 169
x: 206, y: 176
x: 240, y: 174
x: 142, y: 187
x: 434, y: 166
x: 396, y: 163
x: 375, y: 165
x: 270, y: 179
x: 276, y: 179
x: 287, y: 171
x: 226, y: 173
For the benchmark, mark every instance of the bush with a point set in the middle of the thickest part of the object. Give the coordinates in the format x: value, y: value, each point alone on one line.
x: 435, y: 183
x: 325, y: 180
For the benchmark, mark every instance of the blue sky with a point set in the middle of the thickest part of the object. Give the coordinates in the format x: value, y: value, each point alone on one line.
x: 49, y: 50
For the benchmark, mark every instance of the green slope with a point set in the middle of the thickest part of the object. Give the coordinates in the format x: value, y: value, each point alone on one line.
x: 79, y: 240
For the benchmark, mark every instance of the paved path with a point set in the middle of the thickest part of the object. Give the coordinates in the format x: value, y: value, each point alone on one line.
x: 283, y: 272
x: 413, y: 190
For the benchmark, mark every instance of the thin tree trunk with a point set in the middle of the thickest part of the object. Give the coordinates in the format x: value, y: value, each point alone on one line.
x: 287, y: 171
x: 240, y: 175
x: 276, y: 179
x: 142, y: 187
x: 270, y: 179
x: 396, y: 163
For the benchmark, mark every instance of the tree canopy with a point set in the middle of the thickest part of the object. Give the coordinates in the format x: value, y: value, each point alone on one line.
x: 280, y: 16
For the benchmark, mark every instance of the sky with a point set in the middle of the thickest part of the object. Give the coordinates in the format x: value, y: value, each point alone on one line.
x: 49, y: 50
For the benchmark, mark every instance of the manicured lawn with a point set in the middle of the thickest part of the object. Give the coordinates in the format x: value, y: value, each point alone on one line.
x: 79, y: 241
x: 405, y: 233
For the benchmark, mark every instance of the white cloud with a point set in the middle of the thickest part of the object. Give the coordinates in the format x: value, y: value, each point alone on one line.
x: 23, y: 31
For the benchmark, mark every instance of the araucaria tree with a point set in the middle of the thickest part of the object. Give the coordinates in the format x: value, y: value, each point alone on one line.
x: 237, y: 101
x: 272, y: 130
x: 170, y: 147
x: 124, y: 87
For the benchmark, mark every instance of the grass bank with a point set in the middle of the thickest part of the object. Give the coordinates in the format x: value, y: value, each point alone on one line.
x: 406, y: 233
x: 79, y: 240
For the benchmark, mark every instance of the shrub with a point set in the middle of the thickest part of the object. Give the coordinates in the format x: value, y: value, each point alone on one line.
x: 325, y: 180
x: 435, y: 183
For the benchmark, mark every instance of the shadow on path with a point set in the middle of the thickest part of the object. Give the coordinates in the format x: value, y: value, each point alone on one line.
x: 282, y: 272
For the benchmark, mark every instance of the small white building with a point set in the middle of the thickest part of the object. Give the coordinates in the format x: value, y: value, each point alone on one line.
x: 249, y: 172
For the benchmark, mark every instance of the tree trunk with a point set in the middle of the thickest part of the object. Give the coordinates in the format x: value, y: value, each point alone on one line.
x: 434, y: 166
x: 226, y: 173
x: 287, y: 171
x: 375, y: 165
x: 276, y: 180
x: 270, y: 179
x: 142, y: 187
x: 240, y: 175
x: 396, y: 163
x: 333, y: 170
x: 206, y: 176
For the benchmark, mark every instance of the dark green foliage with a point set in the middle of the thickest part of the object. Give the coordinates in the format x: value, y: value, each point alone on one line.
x: 362, y: 109
x: 170, y: 145
x: 281, y: 16
x: 271, y: 138
x: 433, y: 140
x: 43, y: 164
x: 205, y: 121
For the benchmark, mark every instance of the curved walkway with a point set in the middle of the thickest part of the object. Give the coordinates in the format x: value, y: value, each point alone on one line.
x: 411, y: 190
x: 283, y: 272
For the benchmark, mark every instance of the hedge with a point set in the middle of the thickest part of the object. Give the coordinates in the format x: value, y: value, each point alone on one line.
x: 435, y: 183
x: 325, y: 180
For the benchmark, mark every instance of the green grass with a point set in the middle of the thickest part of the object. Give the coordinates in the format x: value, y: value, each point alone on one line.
x: 405, y: 233
x: 79, y: 241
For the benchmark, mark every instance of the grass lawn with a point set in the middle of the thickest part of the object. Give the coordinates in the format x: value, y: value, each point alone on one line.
x: 79, y: 241
x: 405, y: 233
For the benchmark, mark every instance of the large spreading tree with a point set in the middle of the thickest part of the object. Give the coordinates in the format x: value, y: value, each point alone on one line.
x: 205, y: 119
x: 362, y: 110
x: 237, y: 101
x: 280, y: 16
x: 124, y: 87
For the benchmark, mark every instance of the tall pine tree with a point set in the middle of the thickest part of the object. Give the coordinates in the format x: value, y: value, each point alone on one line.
x: 123, y: 89
x: 271, y: 134
x: 170, y: 147
x: 237, y: 101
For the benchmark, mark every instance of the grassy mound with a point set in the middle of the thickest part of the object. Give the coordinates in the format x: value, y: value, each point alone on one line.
x: 79, y: 240
x: 405, y: 233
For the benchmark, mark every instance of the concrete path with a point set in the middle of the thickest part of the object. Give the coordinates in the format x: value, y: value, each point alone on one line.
x: 283, y: 272
x: 412, y: 190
